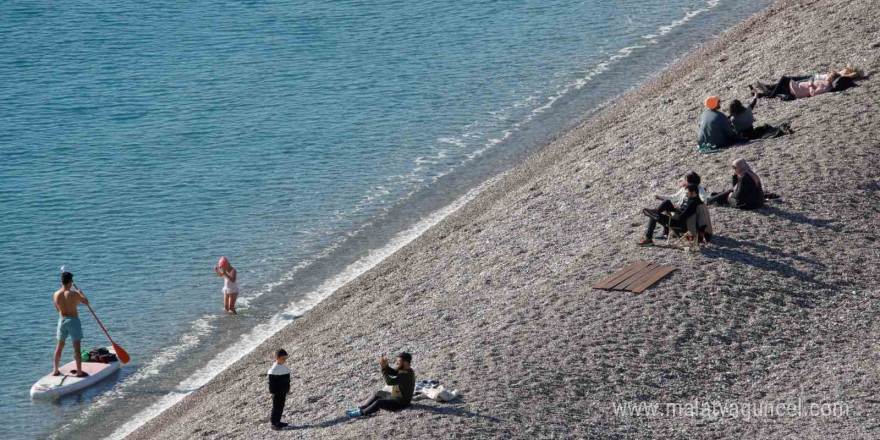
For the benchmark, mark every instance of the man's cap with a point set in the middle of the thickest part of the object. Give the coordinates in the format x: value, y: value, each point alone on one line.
x: 405, y: 356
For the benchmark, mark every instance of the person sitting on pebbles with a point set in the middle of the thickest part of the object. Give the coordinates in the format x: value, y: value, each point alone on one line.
x: 674, y: 218
x: 715, y: 128
x: 747, y: 192
x: 403, y: 385
x: 742, y: 119
x: 670, y: 202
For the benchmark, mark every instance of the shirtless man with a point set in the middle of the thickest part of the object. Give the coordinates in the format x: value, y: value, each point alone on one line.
x: 66, y: 300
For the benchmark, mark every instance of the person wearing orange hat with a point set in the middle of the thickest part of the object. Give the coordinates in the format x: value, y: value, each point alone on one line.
x: 715, y: 128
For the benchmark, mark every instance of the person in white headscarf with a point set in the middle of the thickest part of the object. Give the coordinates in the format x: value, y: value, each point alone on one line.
x: 747, y: 192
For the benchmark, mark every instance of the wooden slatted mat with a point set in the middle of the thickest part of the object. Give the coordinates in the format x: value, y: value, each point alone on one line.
x: 635, y: 277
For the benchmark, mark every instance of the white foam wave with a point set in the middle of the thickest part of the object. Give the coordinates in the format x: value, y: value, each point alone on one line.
x: 376, y: 195
x: 453, y: 141
x: 260, y: 333
x: 426, y: 172
x: 167, y: 355
x: 663, y: 30
x: 600, y: 68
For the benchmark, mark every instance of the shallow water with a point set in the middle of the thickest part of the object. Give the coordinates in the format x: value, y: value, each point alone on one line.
x: 303, y: 140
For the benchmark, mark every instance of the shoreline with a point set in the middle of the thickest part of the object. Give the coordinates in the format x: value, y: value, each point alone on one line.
x: 325, y: 290
x: 393, y: 279
x: 563, y: 103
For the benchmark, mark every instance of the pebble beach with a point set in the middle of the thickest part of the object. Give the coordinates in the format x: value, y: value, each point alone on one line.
x: 497, y: 302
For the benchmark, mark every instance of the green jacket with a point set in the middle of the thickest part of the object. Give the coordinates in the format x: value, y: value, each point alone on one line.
x: 403, y: 383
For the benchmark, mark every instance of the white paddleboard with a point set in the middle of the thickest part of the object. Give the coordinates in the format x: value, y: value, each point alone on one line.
x: 56, y: 386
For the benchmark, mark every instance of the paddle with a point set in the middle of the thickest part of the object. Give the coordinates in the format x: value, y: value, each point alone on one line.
x: 120, y: 352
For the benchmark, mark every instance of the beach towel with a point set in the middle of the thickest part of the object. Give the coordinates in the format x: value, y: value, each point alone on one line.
x: 770, y: 132
x: 708, y: 148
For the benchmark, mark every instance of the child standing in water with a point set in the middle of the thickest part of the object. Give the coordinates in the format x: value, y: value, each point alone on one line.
x: 230, y: 288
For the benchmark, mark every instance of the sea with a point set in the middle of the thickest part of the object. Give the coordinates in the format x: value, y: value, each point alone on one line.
x: 304, y: 140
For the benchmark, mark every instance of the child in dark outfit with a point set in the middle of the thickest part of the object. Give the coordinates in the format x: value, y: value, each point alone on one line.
x: 279, y: 387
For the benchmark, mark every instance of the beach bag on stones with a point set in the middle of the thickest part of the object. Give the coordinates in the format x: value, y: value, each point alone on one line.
x: 440, y: 394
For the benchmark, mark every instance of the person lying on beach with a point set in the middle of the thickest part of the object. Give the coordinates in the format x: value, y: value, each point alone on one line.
x: 847, y: 72
x: 66, y: 299
x: 279, y: 388
x: 715, y: 128
x: 789, y: 87
x: 741, y: 117
x: 224, y: 270
x: 403, y: 385
x: 674, y: 218
x: 747, y: 192
x: 670, y: 202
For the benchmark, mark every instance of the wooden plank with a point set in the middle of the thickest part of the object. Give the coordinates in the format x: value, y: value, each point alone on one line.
x: 634, y: 276
x: 603, y: 283
x: 638, y: 280
x: 610, y: 281
x: 658, y: 274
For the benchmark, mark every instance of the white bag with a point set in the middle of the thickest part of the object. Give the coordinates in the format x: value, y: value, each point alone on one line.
x: 440, y: 394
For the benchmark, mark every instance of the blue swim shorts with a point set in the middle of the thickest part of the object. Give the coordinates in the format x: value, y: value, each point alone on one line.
x: 69, y: 326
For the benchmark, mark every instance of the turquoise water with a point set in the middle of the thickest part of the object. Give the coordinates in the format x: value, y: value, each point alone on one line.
x: 141, y: 141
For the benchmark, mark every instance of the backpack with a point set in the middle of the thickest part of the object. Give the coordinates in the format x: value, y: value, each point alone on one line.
x: 96, y: 353
x: 107, y: 358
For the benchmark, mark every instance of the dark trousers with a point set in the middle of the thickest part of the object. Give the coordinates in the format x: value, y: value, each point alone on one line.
x: 667, y: 206
x: 277, y: 407
x: 719, y: 198
x: 781, y: 87
x: 655, y: 216
x: 379, y: 401
x: 652, y: 223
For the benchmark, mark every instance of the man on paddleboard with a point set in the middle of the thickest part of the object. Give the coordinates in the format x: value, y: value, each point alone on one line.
x: 66, y: 300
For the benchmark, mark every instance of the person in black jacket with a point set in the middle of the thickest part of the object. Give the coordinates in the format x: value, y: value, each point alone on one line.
x: 676, y: 218
x: 747, y: 192
x: 279, y: 387
x: 403, y: 385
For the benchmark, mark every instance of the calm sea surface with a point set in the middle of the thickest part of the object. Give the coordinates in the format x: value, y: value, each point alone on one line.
x: 305, y: 140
